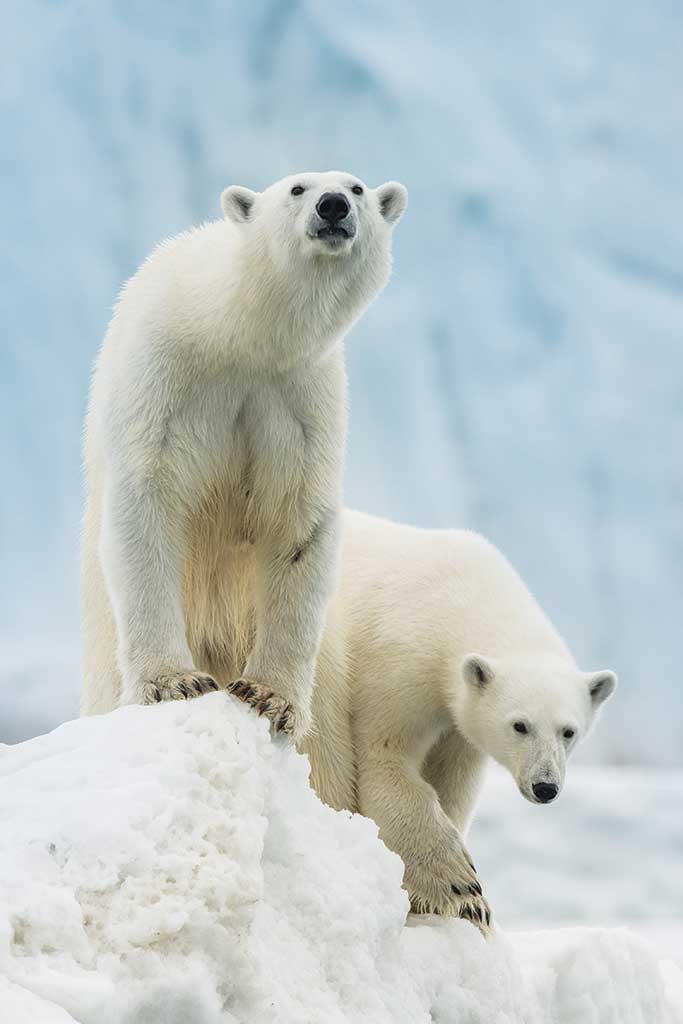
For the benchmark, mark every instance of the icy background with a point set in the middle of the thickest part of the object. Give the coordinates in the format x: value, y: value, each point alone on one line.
x: 523, y: 372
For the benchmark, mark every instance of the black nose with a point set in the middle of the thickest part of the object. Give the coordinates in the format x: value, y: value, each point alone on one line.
x: 332, y: 206
x: 545, y: 791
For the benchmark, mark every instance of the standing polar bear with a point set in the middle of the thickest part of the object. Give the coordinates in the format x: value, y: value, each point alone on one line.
x: 440, y: 658
x: 214, y: 447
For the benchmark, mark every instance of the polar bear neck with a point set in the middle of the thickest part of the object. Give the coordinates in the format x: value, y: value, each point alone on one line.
x: 218, y: 289
x: 299, y: 309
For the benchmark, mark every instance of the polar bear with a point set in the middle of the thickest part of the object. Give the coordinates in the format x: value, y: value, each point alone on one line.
x: 214, y: 445
x: 436, y: 657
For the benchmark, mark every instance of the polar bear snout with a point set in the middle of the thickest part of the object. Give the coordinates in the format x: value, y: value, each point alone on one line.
x: 332, y: 207
x: 333, y: 219
x: 544, y: 792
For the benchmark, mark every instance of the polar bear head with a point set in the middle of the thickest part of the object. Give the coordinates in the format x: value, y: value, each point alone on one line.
x: 529, y: 716
x: 312, y: 217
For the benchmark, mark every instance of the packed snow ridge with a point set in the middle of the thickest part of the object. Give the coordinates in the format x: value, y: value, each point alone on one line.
x: 170, y: 864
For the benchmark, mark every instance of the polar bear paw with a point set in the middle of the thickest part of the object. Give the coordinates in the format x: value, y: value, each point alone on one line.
x: 448, y: 892
x: 178, y: 686
x: 266, y: 702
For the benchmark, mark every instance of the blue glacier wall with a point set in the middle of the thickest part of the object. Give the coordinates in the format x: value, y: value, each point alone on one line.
x: 523, y: 372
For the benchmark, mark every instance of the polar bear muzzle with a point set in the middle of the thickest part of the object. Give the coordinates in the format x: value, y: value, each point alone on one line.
x: 333, y: 219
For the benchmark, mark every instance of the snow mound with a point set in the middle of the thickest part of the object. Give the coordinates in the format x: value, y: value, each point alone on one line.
x: 170, y: 864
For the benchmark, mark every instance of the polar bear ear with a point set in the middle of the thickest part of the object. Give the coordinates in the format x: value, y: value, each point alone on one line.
x: 393, y: 199
x: 477, y: 671
x: 237, y: 203
x: 601, y: 686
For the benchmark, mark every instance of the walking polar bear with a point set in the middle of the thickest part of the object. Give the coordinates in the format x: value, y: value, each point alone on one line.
x: 435, y: 658
x: 214, y: 448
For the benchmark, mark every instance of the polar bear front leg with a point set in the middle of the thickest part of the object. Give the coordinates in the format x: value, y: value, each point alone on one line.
x: 439, y: 875
x: 294, y: 581
x: 142, y: 554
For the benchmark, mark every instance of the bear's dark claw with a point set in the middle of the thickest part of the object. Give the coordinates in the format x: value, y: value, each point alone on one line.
x: 281, y: 723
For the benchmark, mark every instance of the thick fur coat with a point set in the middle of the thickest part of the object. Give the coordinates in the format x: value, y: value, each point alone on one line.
x: 440, y: 658
x: 214, y: 447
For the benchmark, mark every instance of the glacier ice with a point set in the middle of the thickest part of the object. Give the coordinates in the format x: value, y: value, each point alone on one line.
x: 521, y: 375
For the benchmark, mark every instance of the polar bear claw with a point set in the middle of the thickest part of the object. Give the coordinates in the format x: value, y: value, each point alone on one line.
x: 177, y: 686
x: 266, y: 703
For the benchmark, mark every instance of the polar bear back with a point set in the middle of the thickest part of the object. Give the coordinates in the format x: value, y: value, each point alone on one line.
x: 418, y: 594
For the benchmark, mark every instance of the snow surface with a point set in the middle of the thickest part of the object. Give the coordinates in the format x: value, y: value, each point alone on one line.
x: 522, y: 373
x: 170, y: 864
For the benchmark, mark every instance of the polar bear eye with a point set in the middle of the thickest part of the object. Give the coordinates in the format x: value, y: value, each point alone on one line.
x: 298, y: 190
x: 568, y: 734
x: 520, y: 727
x: 357, y: 190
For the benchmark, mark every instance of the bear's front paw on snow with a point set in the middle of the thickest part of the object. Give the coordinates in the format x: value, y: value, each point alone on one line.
x: 280, y: 712
x: 178, y: 686
x: 450, y: 888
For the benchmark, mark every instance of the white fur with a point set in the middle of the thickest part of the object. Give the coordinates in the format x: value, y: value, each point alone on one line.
x: 413, y: 609
x: 214, y: 447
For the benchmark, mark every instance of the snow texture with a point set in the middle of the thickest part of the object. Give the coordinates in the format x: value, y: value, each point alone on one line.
x: 522, y: 373
x: 170, y: 864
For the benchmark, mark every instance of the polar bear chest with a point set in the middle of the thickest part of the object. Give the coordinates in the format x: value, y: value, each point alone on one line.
x: 253, y: 464
x: 258, y: 459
